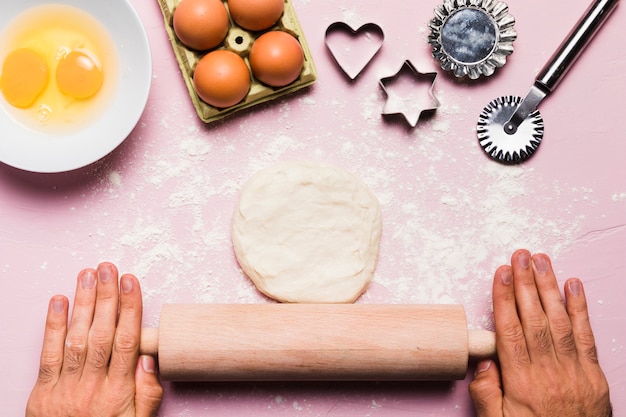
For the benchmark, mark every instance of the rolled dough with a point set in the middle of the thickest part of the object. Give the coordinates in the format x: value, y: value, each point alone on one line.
x: 306, y: 232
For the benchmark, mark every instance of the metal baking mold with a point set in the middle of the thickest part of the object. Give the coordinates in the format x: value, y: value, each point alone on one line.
x: 472, y: 38
x: 239, y: 41
x: 411, y: 105
x: 353, y: 49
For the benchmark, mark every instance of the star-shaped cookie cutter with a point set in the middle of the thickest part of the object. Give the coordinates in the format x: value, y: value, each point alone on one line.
x: 413, y: 102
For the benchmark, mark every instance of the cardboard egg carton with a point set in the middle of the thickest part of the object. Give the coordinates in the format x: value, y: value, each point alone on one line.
x: 239, y: 41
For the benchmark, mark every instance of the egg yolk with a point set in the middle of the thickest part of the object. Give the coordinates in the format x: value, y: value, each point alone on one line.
x: 79, y: 75
x: 24, y: 77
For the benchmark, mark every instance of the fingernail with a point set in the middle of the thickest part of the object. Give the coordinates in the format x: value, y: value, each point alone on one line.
x: 88, y: 280
x: 104, y: 273
x: 58, y: 305
x: 127, y: 285
x: 506, y: 276
x: 541, y: 264
x: 524, y: 259
x: 482, y: 367
x: 575, y: 286
x: 147, y: 363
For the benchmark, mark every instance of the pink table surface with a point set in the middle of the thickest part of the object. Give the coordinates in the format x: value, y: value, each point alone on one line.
x: 160, y: 205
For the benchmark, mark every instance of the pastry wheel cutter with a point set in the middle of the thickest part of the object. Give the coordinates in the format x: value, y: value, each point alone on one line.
x: 510, y: 129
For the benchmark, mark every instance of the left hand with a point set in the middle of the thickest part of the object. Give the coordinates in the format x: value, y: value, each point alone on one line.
x: 92, y: 368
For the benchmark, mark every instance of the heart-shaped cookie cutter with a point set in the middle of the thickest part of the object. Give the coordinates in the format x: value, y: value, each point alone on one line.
x: 353, y: 49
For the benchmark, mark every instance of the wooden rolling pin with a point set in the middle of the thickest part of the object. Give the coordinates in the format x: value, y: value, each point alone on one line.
x: 314, y: 342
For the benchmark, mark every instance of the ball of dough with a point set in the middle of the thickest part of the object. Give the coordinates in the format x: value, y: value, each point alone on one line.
x: 307, y: 233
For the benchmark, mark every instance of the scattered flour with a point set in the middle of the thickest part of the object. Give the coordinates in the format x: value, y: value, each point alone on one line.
x: 350, y: 16
x: 441, y: 226
x: 115, y: 179
x: 619, y: 197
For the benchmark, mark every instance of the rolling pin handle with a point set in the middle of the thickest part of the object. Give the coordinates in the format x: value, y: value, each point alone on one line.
x: 149, y: 344
x: 481, y: 344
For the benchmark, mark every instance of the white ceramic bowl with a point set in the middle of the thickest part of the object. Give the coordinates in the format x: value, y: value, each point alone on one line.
x: 31, y: 150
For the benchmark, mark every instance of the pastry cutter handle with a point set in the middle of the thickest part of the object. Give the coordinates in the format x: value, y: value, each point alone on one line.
x: 562, y: 60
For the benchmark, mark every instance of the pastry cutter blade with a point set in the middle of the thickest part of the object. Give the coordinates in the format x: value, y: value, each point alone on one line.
x: 510, y: 129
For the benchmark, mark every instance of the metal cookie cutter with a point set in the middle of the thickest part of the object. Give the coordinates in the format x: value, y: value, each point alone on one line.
x: 403, y: 98
x: 511, y: 129
x: 472, y: 38
x: 353, y: 49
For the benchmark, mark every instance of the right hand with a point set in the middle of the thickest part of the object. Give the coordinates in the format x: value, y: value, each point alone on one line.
x: 548, y: 364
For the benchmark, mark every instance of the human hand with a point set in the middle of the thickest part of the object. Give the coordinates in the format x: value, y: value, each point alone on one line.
x: 93, y: 368
x: 546, y: 349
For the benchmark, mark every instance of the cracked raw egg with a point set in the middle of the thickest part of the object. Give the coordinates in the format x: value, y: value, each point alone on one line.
x: 59, y: 67
x: 79, y: 74
x: 24, y: 76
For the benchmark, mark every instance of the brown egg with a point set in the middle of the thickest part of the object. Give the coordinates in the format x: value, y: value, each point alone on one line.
x: 256, y: 14
x: 222, y: 78
x: 201, y: 24
x: 276, y: 58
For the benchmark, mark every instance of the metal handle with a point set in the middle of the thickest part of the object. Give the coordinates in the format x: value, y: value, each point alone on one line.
x: 558, y: 65
x: 561, y: 61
